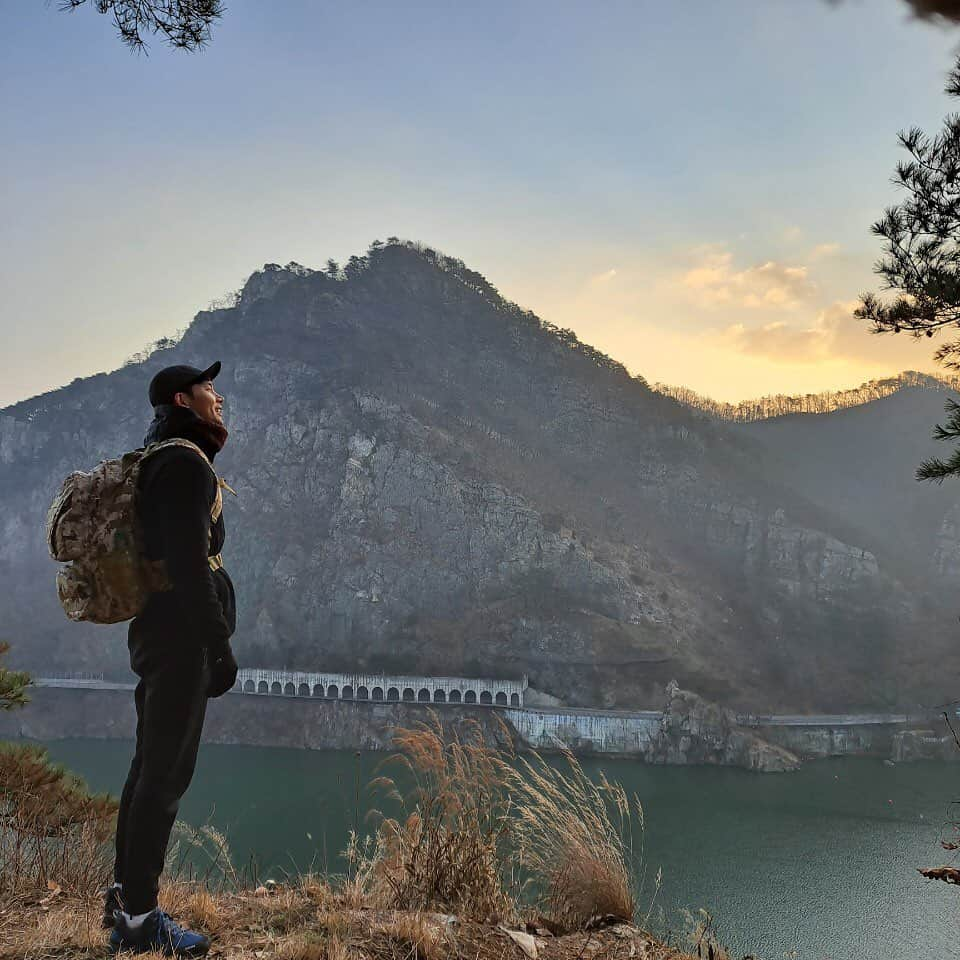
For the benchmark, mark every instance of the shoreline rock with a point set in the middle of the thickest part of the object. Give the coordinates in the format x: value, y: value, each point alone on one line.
x: 695, y: 731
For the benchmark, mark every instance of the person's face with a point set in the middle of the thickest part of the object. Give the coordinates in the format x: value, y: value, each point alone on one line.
x: 204, y: 401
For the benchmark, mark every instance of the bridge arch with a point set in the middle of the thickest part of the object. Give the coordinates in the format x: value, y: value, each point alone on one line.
x: 381, y: 687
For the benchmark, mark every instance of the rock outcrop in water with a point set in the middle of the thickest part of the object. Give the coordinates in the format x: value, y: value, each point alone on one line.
x: 695, y: 731
x: 432, y: 480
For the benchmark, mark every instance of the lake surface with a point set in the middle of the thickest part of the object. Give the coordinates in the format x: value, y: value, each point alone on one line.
x: 815, y: 864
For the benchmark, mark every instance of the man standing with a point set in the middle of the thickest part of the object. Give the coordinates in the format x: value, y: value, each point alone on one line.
x: 179, y: 647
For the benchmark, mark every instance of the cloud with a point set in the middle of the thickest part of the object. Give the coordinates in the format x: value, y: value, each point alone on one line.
x: 822, y: 250
x: 779, y: 342
x: 715, y: 282
x: 601, y: 279
x: 833, y: 335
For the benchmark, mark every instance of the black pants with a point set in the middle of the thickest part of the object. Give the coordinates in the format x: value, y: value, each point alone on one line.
x: 171, y: 701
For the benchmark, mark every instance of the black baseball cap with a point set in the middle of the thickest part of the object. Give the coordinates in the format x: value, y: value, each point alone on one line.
x: 169, y: 381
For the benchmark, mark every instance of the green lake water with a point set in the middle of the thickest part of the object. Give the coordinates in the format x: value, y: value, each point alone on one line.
x: 815, y: 864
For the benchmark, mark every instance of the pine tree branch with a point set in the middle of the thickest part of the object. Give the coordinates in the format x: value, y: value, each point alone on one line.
x: 938, y: 470
x: 185, y: 24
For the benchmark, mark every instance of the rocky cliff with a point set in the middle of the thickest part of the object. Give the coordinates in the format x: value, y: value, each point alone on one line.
x: 433, y: 480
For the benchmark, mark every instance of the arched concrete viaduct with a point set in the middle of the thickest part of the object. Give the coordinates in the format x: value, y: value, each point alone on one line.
x: 471, y: 691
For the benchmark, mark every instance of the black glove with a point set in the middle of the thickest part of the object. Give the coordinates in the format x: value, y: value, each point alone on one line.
x: 223, y: 672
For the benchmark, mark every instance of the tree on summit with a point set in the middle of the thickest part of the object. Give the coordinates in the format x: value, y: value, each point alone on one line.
x: 185, y: 24
x: 921, y: 258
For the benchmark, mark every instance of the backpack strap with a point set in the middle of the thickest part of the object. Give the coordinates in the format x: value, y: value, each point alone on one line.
x: 217, y: 508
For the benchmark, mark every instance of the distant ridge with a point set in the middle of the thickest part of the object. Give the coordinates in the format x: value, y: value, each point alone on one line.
x: 781, y: 405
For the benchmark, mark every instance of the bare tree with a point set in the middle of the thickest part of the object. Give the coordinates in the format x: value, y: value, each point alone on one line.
x: 185, y: 24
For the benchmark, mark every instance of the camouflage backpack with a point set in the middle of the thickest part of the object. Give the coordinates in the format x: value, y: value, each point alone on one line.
x: 92, y: 526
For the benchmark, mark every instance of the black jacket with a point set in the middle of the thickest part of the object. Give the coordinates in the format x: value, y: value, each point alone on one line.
x: 175, y: 493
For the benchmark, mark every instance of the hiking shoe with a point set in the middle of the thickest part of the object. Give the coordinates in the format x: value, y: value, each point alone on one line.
x: 158, y: 932
x: 112, y: 901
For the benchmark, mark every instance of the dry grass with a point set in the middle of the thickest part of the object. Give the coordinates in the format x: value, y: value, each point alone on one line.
x: 194, y: 904
x: 251, y: 927
x: 417, y: 936
x: 704, y: 937
x: 447, y: 850
x: 481, y: 827
x: 59, y: 927
x: 303, y: 946
x: 575, y: 839
x: 202, y: 854
x: 311, y: 946
x: 484, y: 835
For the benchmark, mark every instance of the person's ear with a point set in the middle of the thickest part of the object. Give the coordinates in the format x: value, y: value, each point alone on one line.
x: 181, y: 399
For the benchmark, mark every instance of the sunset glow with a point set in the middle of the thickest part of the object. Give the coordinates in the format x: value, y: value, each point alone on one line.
x: 683, y: 188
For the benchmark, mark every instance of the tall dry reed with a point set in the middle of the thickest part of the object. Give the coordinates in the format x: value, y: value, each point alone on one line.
x: 483, y: 831
x: 575, y: 840
x: 203, y: 855
x: 447, y: 850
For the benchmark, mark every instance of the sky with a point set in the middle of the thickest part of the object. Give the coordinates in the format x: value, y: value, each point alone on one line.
x: 688, y: 186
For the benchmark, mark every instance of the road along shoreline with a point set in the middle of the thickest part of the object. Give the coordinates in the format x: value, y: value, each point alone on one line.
x: 689, y: 731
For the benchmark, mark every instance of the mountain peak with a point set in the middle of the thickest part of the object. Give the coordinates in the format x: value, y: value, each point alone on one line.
x: 434, y: 480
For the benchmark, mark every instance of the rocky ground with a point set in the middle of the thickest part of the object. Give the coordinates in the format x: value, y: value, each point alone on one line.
x: 307, y: 922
